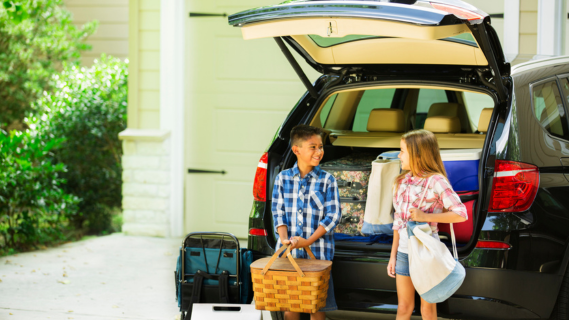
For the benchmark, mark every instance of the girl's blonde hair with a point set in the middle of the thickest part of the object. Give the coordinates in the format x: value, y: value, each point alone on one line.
x: 424, y: 155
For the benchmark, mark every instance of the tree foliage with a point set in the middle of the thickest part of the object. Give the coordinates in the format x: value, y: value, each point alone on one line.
x: 36, y: 38
x: 88, y: 110
x: 33, y: 205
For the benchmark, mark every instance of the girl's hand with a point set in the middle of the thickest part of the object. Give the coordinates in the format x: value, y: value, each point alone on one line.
x: 391, y: 268
x: 417, y: 215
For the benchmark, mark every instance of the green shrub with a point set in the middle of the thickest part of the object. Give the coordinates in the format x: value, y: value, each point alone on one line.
x: 33, y: 206
x: 36, y: 37
x: 88, y: 110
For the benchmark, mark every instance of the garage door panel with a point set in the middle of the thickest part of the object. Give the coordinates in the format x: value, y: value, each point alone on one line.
x: 237, y: 95
x: 246, y: 130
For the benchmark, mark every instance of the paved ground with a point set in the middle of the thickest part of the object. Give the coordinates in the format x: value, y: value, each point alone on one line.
x: 112, y: 277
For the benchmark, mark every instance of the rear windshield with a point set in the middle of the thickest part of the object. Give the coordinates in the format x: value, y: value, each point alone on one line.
x: 325, y: 42
x: 351, y: 110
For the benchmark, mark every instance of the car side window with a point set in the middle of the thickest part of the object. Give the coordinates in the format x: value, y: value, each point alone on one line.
x: 548, y: 108
x: 426, y: 98
x: 371, y: 99
x: 326, y: 109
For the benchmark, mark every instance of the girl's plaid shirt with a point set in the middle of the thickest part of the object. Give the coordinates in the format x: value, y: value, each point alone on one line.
x: 440, y: 195
x: 303, y: 204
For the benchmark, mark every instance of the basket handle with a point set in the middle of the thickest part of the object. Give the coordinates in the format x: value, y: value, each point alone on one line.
x: 290, y: 258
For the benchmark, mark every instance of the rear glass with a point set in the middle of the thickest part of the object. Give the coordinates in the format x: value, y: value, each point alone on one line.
x: 326, y: 42
x: 371, y: 99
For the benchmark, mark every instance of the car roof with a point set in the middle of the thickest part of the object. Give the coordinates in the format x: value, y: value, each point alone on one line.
x: 538, y: 64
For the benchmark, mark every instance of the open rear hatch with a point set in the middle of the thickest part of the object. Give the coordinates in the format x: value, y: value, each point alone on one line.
x: 333, y: 35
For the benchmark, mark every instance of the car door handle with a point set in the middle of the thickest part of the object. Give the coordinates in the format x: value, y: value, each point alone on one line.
x: 205, y: 171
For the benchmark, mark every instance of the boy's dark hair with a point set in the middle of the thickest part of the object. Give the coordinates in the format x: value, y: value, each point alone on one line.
x: 303, y: 132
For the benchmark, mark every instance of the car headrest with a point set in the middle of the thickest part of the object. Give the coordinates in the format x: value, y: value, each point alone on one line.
x: 443, y: 109
x: 484, y: 121
x: 386, y: 120
x: 442, y: 124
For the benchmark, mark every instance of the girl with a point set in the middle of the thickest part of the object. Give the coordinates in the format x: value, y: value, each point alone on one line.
x: 420, y: 159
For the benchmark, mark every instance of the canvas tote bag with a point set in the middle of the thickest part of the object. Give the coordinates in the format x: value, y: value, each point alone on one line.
x: 435, y: 273
x: 377, y: 216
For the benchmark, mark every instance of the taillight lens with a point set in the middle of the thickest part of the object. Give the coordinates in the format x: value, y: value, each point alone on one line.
x: 258, y: 232
x: 457, y: 11
x: 485, y: 244
x: 514, y: 186
x: 260, y: 185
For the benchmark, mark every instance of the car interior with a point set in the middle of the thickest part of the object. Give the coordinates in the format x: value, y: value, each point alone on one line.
x: 372, y: 120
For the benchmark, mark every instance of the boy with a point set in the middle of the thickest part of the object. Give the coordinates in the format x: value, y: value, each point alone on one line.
x: 306, y: 206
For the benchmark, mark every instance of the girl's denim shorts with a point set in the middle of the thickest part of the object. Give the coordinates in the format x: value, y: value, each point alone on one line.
x: 402, y: 264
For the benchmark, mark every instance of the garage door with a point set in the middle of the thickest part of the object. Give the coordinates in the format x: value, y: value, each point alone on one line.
x: 238, y: 93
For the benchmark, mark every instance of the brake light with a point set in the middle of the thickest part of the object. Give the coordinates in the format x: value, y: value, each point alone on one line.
x: 258, y: 232
x: 492, y: 244
x: 514, y: 186
x: 457, y: 11
x: 260, y: 184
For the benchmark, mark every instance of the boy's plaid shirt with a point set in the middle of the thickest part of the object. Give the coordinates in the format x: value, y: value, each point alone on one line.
x: 304, y: 204
x: 439, y: 196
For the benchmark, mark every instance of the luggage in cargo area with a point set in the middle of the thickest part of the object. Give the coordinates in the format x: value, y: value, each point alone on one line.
x: 461, y: 166
x: 352, y: 175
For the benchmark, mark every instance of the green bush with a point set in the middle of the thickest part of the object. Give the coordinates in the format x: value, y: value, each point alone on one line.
x: 88, y: 110
x: 33, y: 206
x: 36, y: 37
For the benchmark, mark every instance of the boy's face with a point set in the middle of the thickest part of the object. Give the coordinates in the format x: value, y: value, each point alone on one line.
x: 310, y: 151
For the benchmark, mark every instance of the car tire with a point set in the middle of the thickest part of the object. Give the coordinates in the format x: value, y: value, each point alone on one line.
x: 561, y: 309
x: 279, y: 315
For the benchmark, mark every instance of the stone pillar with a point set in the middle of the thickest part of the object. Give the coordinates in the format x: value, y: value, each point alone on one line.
x: 146, y: 182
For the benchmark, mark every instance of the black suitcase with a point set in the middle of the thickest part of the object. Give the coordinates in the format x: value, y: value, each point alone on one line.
x: 352, y: 175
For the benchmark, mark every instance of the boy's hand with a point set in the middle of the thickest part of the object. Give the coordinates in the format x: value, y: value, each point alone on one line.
x: 417, y: 215
x: 299, y: 242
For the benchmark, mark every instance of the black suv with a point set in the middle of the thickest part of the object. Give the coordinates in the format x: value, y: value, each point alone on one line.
x: 435, y: 60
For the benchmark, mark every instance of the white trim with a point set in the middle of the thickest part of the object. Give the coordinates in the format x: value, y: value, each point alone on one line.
x: 511, y: 29
x: 144, y: 134
x: 550, y: 28
x: 172, y: 45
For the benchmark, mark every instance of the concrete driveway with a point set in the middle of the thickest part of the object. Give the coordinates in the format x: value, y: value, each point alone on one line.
x: 111, y: 277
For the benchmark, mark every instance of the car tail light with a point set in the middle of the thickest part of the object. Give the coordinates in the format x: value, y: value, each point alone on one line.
x: 260, y: 184
x: 485, y: 244
x: 514, y: 186
x: 457, y: 11
x: 258, y: 232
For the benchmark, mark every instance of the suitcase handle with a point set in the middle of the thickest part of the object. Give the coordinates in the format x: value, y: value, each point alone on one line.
x: 290, y: 258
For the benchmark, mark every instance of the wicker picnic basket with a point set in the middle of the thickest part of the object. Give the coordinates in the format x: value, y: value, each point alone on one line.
x: 288, y: 284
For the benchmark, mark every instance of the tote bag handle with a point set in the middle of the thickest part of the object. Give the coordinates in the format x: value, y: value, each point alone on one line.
x: 453, y: 240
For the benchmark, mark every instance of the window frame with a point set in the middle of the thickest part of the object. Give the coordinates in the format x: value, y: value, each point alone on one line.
x: 556, y: 79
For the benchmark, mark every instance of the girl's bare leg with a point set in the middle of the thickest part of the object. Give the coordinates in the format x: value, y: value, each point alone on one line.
x: 428, y: 310
x: 318, y: 316
x: 405, y: 297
